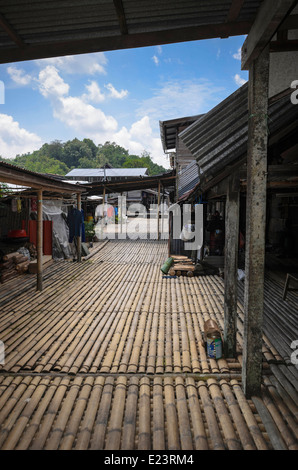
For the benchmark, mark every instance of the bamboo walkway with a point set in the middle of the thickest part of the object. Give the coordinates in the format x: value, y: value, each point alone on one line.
x: 110, y: 355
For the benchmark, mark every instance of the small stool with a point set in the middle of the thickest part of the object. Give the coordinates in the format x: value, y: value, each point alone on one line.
x: 293, y: 277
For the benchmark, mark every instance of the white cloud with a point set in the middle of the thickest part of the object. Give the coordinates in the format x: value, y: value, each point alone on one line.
x: 239, y: 80
x: 94, y: 93
x: 18, y: 75
x: 75, y: 112
x: 237, y: 55
x: 116, y: 94
x: 15, y: 139
x: 78, y: 64
x: 83, y: 117
x: 79, y: 114
x: 181, y: 98
x: 140, y: 137
x: 51, y: 84
x: 155, y: 59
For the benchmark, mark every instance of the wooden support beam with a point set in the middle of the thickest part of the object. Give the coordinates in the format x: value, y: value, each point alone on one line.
x: 231, y: 264
x: 39, y: 243
x: 121, y: 16
x: 124, y: 41
x: 79, y: 237
x: 102, y: 223
x: 269, y: 18
x: 235, y: 10
x: 16, y: 175
x: 11, y: 32
x: 284, y: 46
x: 255, y: 223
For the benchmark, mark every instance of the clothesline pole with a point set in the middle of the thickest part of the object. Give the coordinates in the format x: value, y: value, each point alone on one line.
x: 79, y: 237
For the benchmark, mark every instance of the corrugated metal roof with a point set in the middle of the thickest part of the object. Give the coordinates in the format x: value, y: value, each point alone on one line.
x: 219, y: 138
x: 220, y: 135
x: 169, y: 130
x: 109, y: 172
x: 119, y: 185
x: 188, y: 178
x: 42, y: 28
x: 14, y: 174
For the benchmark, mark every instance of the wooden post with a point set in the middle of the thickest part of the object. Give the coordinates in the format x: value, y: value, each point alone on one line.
x: 39, y: 243
x: 79, y: 238
x: 231, y: 265
x: 255, y: 223
x: 103, y: 211
x: 120, y: 214
x: 163, y: 210
x: 158, y: 204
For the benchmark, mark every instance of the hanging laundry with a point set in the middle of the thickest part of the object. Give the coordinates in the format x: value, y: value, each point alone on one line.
x: 34, y: 204
x: 19, y: 205
x: 76, y: 224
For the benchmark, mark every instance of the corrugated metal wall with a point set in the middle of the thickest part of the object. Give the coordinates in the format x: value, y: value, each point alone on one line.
x: 188, y: 178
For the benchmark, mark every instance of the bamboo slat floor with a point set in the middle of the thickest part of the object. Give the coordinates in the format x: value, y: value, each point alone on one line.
x: 111, y: 355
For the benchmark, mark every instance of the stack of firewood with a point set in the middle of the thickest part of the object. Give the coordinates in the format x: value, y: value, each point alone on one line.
x: 32, y: 250
x: 13, y: 264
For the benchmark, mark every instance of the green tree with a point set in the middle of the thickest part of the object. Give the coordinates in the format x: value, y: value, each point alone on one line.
x: 145, y: 161
x: 92, y: 146
x: 112, y: 153
x: 53, y: 150
x: 42, y: 164
x: 73, y: 151
x: 86, y: 162
x: 58, y: 157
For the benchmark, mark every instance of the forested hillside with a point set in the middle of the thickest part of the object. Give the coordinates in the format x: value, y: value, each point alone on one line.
x: 59, y: 158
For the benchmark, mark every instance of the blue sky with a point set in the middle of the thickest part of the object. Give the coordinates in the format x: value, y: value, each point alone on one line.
x: 117, y: 96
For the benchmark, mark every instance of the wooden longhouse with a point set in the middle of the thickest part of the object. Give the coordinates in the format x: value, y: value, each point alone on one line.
x: 110, y: 354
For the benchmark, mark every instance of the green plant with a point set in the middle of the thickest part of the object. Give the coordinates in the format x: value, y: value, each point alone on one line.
x: 89, y: 230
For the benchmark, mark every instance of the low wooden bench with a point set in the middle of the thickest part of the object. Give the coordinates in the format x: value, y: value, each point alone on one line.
x: 293, y: 277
